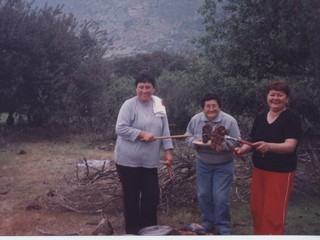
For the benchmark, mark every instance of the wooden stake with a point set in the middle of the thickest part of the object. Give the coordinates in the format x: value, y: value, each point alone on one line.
x: 174, y: 136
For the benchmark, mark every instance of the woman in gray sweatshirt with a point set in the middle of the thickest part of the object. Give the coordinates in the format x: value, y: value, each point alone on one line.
x: 214, y: 167
x: 137, y: 154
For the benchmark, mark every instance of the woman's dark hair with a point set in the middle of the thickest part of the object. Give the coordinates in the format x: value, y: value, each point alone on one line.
x: 145, y: 77
x: 208, y: 97
x: 279, y: 85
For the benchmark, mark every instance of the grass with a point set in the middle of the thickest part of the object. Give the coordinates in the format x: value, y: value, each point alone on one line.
x: 304, y: 215
x: 47, y: 161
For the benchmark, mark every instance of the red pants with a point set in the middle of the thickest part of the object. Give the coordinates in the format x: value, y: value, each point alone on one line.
x: 270, y: 192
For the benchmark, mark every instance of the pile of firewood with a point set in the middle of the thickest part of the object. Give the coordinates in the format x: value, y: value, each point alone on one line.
x: 99, y: 190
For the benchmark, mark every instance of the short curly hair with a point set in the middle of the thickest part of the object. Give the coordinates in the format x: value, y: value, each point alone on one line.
x: 279, y: 85
x: 210, y: 96
x: 145, y: 76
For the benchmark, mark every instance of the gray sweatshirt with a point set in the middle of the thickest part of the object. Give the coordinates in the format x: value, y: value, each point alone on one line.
x: 207, y: 154
x: 135, y: 116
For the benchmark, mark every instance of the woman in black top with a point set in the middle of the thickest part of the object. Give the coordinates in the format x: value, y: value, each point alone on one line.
x: 275, y: 134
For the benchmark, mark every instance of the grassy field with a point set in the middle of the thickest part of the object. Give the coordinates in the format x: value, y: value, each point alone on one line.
x: 31, y: 167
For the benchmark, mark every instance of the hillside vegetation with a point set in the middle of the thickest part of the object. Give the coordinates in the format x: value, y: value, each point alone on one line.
x: 54, y: 70
x: 139, y: 26
x: 63, y: 80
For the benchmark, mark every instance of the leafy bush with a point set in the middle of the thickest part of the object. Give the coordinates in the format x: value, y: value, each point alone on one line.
x: 50, y: 69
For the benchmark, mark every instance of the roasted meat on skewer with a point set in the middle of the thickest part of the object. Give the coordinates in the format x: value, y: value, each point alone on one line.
x: 214, y: 135
x: 206, y: 133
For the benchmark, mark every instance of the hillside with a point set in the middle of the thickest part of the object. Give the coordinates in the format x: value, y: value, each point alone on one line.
x: 137, y: 26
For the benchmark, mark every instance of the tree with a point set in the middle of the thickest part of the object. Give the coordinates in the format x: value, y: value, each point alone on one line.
x: 50, y: 69
x: 250, y: 42
x: 155, y: 62
x: 262, y: 38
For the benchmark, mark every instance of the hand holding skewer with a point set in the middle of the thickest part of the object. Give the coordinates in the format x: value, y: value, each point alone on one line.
x: 218, y: 135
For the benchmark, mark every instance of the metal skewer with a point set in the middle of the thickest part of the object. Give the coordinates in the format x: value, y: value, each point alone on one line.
x: 238, y: 140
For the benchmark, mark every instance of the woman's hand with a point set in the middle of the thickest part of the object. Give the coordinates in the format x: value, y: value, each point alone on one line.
x: 146, y: 136
x: 242, y: 150
x: 287, y: 146
x: 262, y: 146
x: 168, y: 157
x: 238, y: 151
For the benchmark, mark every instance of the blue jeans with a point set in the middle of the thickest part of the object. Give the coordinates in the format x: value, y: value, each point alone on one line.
x: 213, y: 191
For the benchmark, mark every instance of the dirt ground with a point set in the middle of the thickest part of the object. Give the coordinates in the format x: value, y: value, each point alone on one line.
x: 31, y: 169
